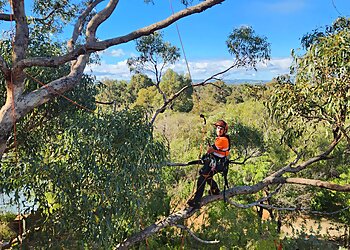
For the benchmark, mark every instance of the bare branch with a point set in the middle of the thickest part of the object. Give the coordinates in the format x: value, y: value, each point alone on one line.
x: 94, y: 46
x: 197, y: 238
x: 99, y: 18
x: 156, y: 227
x: 176, y: 95
x: 105, y: 103
x: 256, y: 203
x: 80, y: 23
x: 302, y: 209
x: 6, y: 17
x: 289, y: 168
x: 319, y: 183
x: 20, y: 43
x: 42, y: 20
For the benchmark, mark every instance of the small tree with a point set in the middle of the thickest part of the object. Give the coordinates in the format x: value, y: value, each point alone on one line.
x: 155, y: 56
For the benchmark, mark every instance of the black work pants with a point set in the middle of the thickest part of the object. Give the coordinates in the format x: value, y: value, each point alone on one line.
x: 206, y: 176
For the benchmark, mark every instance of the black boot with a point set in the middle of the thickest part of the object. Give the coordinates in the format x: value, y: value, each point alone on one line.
x: 214, y: 191
x: 193, y: 203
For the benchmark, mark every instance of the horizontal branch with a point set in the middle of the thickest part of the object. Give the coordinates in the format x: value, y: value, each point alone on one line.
x: 319, y: 183
x: 274, y: 178
x: 6, y: 17
x: 302, y: 209
x: 102, y: 45
x: 105, y: 103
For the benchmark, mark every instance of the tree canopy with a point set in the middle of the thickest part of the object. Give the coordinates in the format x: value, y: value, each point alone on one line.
x: 102, y: 178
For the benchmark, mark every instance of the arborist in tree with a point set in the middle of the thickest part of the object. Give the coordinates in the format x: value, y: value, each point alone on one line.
x: 215, y: 161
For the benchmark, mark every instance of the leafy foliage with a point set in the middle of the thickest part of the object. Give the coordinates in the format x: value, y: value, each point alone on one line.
x: 172, y: 83
x: 92, y: 179
x: 320, y: 92
x: 248, y: 48
x: 155, y: 54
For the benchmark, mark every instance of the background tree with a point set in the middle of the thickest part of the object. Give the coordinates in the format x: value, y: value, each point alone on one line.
x: 312, y: 109
x: 172, y: 83
x: 138, y: 82
x: 155, y: 55
x: 115, y: 94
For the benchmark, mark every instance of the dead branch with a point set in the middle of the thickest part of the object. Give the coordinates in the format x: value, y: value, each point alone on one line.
x: 175, y: 95
x: 197, y: 238
x: 319, y: 183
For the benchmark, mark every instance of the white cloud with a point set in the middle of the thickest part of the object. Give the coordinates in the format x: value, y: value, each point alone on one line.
x: 206, y: 68
x: 286, y: 6
x: 117, y: 53
x: 200, y: 69
x: 118, y: 71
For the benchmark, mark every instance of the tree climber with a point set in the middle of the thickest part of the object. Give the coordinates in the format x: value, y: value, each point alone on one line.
x: 215, y: 161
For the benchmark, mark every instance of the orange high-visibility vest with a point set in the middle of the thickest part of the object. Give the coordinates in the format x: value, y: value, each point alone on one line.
x: 221, y: 146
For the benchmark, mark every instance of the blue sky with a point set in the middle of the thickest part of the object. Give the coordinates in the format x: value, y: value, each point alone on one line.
x: 283, y: 22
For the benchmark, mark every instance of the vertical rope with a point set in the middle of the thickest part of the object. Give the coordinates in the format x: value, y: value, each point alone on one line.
x: 182, y: 46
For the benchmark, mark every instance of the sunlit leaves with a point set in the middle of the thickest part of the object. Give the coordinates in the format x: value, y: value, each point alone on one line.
x: 154, y: 55
x: 101, y: 173
x: 247, y: 47
x: 171, y: 83
x: 320, y: 91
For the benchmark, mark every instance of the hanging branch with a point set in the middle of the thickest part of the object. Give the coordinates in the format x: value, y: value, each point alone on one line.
x: 197, y: 238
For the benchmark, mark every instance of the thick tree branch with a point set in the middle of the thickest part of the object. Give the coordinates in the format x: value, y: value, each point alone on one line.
x: 4, y: 68
x: 289, y: 168
x: 171, y: 220
x: 80, y: 23
x: 99, y: 18
x: 101, y: 45
x: 258, y: 202
x: 319, y: 183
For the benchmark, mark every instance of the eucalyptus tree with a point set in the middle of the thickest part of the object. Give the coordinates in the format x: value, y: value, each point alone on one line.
x: 155, y: 56
x: 311, y: 107
x: 54, y: 16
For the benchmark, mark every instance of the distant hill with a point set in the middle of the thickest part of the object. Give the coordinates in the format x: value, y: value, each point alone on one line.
x: 238, y: 81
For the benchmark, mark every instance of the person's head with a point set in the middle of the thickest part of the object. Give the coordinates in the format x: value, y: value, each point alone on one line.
x: 221, y: 127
